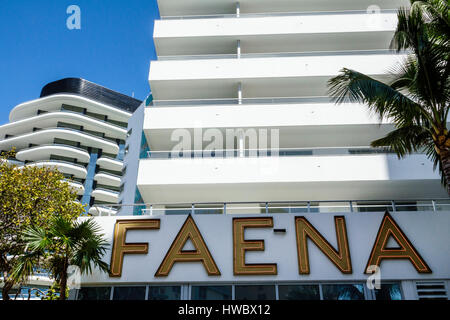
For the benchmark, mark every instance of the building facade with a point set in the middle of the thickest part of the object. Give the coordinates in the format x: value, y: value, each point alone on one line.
x: 245, y: 181
x: 80, y: 128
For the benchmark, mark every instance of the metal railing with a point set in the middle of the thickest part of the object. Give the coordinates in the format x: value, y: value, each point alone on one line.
x: 279, y: 54
x: 116, y: 193
x: 275, y: 152
x: 272, y: 14
x: 115, y: 126
x: 286, y: 207
x: 104, y: 139
x: 234, y: 101
x: 109, y: 174
x: 56, y: 162
x: 54, y: 145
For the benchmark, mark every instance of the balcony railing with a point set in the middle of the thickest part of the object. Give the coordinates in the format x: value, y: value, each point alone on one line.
x: 105, y: 139
x: 279, y: 54
x: 273, y: 14
x: 55, y: 145
x: 234, y: 101
x: 56, y: 163
x: 282, y: 152
x: 288, y: 207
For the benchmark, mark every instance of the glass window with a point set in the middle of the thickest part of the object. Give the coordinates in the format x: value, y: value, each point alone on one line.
x: 164, y: 293
x: 72, y: 108
x: 211, y: 293
x: 372, y: 206
x: 298, y: 292
x: 330, y: 207
x: 442, y: 205
x: 255, y: 292
x: 94, y: 293
x: 343, y: 291
x: 208, y: 209
x: 174, y: 210
x: 69, y: 125
x: 406, y: 206
x: 96, y: 115
x: 388, y: 291
x: 129, y: 293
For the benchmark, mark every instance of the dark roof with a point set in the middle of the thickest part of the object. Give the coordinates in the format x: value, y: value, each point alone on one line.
x: 92, y: 91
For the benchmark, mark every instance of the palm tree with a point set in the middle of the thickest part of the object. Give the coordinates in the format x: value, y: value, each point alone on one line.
x: 64, y: 243
x: 417, y: 99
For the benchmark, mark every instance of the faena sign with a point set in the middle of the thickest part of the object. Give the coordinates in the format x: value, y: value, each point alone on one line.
x: 306, y: 234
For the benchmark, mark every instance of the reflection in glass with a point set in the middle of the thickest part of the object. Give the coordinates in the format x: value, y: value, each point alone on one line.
x: 94, y: 293
x: 255, y: 292
x: 388, y: 291
x: 129, y: 293
x: 211, y: 293
x: 343, y: 291
x: 298, y: 292
x: 164, y: 293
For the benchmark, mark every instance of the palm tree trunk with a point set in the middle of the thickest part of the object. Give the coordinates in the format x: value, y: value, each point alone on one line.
x: 7, y: 285
x: 445, y: 162
x: 63, y: 286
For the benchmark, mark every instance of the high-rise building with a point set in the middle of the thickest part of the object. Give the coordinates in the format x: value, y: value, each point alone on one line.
x: 80, y: 128
x: 245, y: 181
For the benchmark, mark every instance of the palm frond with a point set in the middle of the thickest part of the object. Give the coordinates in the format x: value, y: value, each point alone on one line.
x: 405, y: 140
x: 353, y: 86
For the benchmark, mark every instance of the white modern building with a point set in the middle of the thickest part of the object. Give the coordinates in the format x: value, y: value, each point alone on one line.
x: 79, y: 128
x: 244, y: 181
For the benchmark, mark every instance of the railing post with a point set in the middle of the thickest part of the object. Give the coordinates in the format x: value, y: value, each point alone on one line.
x: 238, y: 9
x: 267, y: 207
x: 151, y: 210
x: 434, y: 205
x: 238, y: 49
x: 224, y: 208
x: 240, y: 93
x: 351, y: 206
x: 193, y: 209
x: 393, y: 206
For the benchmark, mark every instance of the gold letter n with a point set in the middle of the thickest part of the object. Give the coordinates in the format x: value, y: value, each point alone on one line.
x: 340, y: 258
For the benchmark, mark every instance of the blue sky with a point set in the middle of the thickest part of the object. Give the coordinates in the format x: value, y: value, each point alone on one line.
x: 113, y: 48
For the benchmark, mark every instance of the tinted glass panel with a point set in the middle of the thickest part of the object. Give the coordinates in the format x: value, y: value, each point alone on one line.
x: 343, y: 292
x: 211, y: 293
x: 129, y: 293
x: 164, y: 293
x: 255, y: 292
x: 95, y: 293
x: 389, y: 291
x: 298, y: 292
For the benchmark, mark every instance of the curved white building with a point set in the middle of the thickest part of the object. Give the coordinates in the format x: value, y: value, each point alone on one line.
x: 79, y: 128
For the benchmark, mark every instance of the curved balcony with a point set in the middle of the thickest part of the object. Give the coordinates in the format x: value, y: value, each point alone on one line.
x: 47, y: 136
x: 337, y: 177
x: 108, y: 179
x: 78, y: 171
x: 105, y: 195
x: 51, y: 119
x: 102, y: 211
x: 43, y: 152
x: 110, y: 163
x: 77, y: 186
x: 54, y: 102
